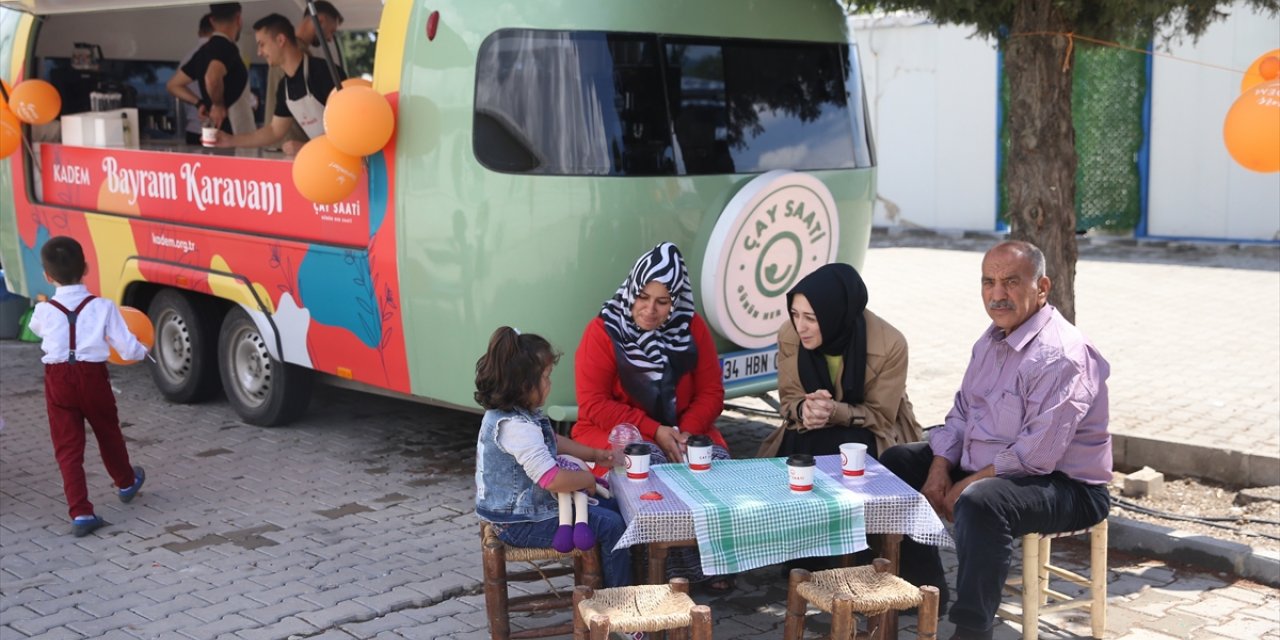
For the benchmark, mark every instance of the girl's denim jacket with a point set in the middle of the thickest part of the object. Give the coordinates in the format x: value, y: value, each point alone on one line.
x: 504, y: 492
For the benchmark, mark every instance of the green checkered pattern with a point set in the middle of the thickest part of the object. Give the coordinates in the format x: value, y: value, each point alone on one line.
x: 745, y: 515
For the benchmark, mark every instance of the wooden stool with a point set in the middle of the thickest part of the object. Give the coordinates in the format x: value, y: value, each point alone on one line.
x: 648, y: 608
x: 585, y: 570
x: 871, y: 591
x: 1036, y: 572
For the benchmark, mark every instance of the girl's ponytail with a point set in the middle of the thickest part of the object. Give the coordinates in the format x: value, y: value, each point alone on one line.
x: 511, y: 369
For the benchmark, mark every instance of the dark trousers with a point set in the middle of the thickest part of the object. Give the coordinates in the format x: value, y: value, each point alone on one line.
x: 74, y: 393
x: 989, y: 515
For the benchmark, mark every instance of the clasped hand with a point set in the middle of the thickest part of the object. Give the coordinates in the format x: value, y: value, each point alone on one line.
x: 818, y: 407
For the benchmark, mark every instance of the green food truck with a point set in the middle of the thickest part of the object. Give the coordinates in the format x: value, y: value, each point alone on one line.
x: 539, y: 149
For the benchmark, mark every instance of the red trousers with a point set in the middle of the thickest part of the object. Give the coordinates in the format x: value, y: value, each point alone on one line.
x: 75, y: 392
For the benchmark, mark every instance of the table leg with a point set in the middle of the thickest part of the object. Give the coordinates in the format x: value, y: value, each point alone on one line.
x: 657, y: 563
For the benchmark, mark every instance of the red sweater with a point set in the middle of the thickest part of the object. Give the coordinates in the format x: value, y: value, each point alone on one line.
x: 602, y: 402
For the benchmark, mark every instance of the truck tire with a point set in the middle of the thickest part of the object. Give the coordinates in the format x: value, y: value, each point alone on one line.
x: 185, y: 367
x: 262, y: 390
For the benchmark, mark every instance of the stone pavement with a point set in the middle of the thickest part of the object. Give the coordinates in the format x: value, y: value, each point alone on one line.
x: 357, y: 523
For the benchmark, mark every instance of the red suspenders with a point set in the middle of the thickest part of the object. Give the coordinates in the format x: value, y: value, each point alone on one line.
x: 71, y: 322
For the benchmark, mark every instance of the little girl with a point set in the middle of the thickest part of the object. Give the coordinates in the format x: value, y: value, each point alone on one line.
x: 516, y: 469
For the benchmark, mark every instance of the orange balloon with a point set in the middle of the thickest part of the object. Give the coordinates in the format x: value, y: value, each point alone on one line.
x: 4, y: 102
x: 1257, y: 73
x: 324, y: 174
x: 356, y: 82
x: 10, y: 132
x: 140, y: 326
x: 358, y: 120
x: 35, y: 102
x: 1269, y: 68
x: 1252, y: 128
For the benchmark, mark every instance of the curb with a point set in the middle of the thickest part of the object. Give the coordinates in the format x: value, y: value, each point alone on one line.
x: 1239, y: 468
x: 1155, y: 541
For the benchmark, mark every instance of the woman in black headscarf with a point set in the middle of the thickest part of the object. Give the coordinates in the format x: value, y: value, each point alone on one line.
x: 842, y: 371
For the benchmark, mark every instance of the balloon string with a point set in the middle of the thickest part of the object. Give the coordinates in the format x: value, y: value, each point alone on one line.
x: 1072, y: 37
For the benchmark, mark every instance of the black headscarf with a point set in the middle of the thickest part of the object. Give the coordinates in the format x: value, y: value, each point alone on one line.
x: 650, y: 363
x: 838, y: 297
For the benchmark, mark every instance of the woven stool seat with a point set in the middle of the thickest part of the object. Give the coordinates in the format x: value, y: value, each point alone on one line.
x: 647, y: 608
x: 525, y: 554
x: 871, y: 591
x: 644, y: 608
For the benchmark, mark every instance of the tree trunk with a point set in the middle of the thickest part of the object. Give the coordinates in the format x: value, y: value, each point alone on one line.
x: 1040, y: 169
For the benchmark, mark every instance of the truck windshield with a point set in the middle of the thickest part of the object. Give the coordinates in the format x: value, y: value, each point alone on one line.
x: 597, y: 103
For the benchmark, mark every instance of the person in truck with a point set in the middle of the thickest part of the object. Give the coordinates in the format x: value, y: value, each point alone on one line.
x: 300, y: 97
x: 224, y: 99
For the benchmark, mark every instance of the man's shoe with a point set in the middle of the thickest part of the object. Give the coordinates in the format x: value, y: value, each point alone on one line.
x: 127, y: 493
x: 81, y: 527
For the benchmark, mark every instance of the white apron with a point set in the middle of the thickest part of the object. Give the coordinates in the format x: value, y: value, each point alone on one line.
x: 307, y: 111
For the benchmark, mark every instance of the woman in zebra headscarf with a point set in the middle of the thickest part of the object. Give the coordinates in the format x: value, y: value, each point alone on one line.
x: 649, y: 360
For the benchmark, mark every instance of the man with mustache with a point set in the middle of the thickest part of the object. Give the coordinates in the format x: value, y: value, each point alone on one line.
x: 1025, y: 446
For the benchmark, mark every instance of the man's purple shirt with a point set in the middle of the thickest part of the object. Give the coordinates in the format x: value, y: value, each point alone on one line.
x: 1031, y: 403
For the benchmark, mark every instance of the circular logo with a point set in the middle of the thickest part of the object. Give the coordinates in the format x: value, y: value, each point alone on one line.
x: 777, y: 229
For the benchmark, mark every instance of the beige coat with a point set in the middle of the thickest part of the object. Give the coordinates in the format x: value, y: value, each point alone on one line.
x: 885, y: 409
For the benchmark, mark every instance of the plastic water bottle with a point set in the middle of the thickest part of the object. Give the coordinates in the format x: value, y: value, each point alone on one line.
x: 622, y: 435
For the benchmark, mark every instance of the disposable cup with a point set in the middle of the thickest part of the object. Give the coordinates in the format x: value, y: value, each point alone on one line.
x: 699, y: 453
x: 209, y: 136
x: 800, y: 473
x: 853, y: 459
x: 637, y: 461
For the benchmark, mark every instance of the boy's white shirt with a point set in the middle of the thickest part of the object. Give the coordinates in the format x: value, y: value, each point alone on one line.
x: 99, y: 326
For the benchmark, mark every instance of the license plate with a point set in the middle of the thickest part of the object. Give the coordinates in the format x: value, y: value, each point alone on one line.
x: 748, y: 365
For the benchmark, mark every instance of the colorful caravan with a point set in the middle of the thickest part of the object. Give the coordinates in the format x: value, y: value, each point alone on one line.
x: 539, y: 149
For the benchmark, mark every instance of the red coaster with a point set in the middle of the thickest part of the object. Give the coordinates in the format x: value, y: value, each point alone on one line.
x: 652, y: 495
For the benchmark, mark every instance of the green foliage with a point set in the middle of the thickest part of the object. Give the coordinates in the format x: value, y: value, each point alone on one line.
x: 358, y: 49
x: 1105, y: 19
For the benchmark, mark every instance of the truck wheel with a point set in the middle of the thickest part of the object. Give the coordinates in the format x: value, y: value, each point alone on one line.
x: 262, y: 390
x: 185, y: 368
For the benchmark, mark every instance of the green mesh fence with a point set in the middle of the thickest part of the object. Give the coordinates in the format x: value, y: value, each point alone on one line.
x: 1107, y: 90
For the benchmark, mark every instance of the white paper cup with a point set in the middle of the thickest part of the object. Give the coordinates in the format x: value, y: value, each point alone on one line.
x: 637, y: 462
x: 853, y: 459
x: 209, y: 136
x: 800, y: 473
x: 699, y: 453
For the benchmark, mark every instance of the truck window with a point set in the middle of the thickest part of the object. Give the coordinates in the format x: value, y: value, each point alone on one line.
x: 597, y: 103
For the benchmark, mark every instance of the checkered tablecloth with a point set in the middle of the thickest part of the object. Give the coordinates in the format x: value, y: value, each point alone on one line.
x: 889, y: 506
x: 746, y: 516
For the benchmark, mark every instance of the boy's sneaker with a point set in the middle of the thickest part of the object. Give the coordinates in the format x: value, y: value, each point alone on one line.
x: 85, y: 525
x: 139, y: 476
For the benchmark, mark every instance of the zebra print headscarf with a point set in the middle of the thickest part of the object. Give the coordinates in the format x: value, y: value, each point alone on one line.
x: 651, y: 362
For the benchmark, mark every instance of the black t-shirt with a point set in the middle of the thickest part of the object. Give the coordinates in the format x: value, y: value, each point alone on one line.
x: 319, y: 82
x: 225, y: 51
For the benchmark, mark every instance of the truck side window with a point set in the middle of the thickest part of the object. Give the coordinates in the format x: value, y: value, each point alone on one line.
x: 611, y: 104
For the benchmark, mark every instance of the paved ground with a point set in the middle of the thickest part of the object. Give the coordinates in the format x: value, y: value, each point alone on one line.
x: 357, y: 522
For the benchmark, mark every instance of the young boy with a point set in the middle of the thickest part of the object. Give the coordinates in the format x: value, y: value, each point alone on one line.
x: 75, y: 328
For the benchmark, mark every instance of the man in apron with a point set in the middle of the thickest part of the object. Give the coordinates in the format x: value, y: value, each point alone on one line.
x: 221, y: 74
x: 309, y: 42
x: 302, y: 92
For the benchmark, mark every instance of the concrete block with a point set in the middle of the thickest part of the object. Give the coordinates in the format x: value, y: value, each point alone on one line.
x: 1144, y: 482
